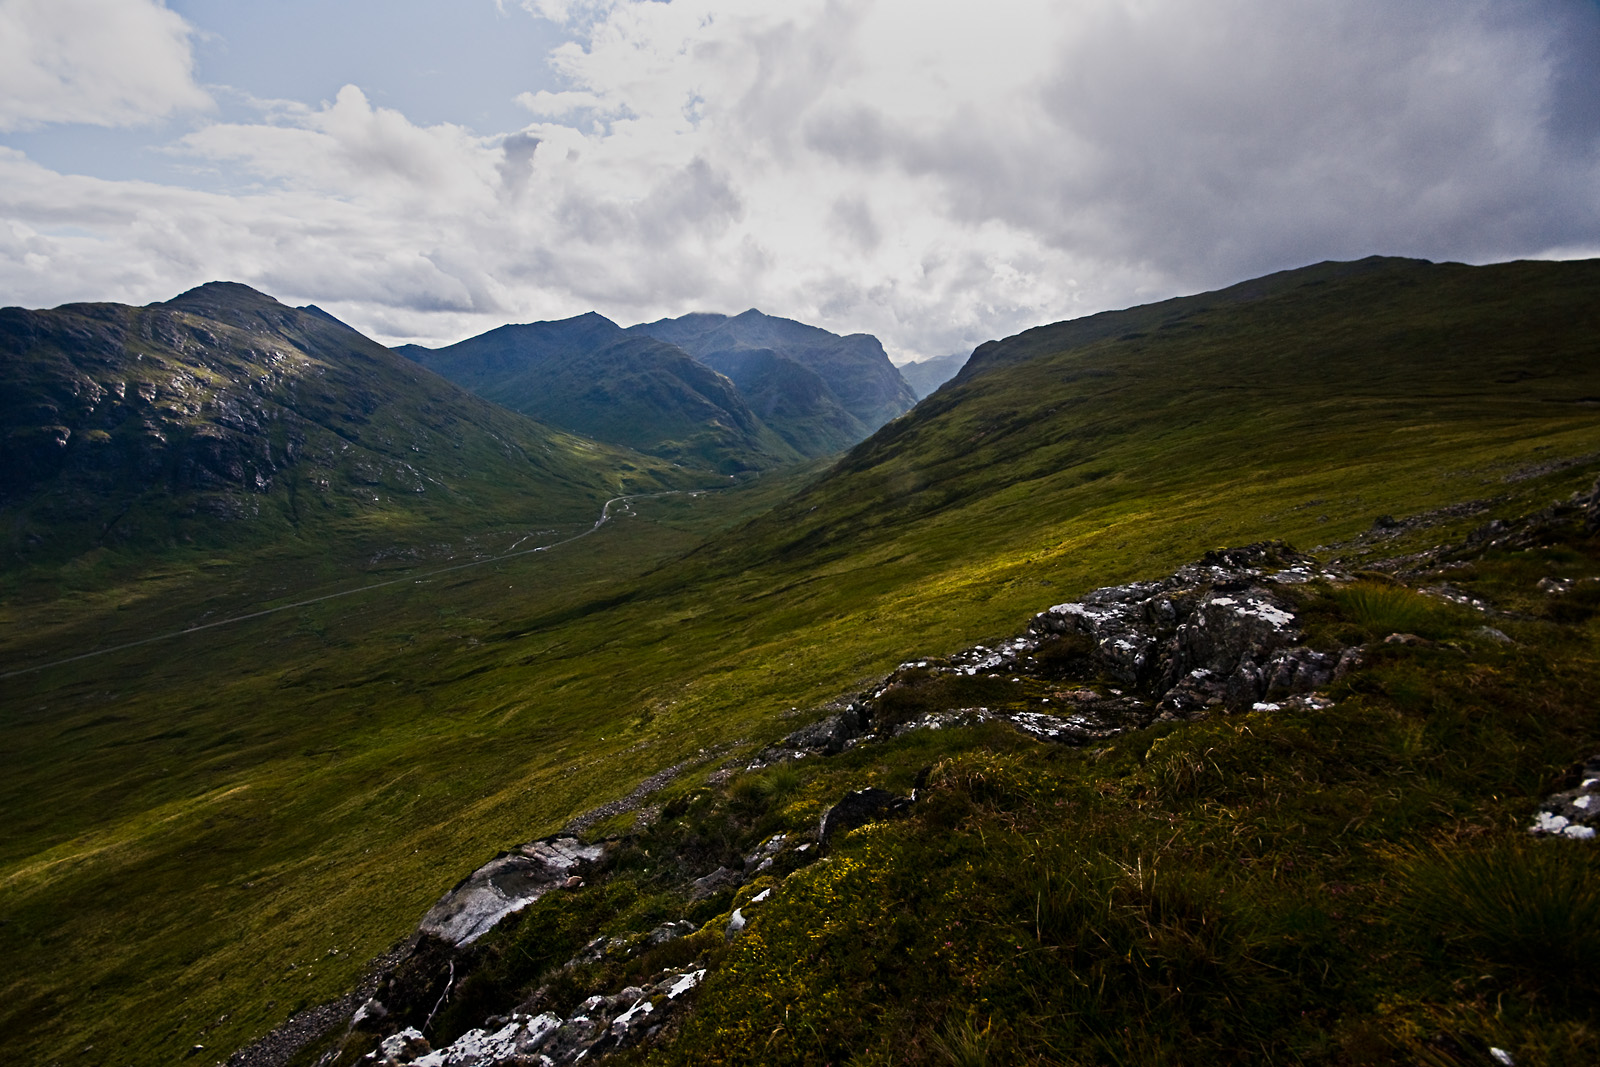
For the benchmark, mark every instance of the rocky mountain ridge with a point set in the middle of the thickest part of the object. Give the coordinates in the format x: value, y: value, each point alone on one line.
x: 222, y: 405
x: 587, y: 375
x: 854, y: 368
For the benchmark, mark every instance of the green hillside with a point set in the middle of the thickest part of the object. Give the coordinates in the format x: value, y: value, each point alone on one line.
x: 1334, y: 390
x: 588, y: 376
x: 791, y: 398
x: 206, y: 841
x: 223, y: 419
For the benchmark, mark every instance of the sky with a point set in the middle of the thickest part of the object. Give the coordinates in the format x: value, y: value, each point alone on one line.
x: 935, y: 173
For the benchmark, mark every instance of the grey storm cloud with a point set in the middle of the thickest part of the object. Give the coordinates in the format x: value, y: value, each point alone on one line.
x: 935, y: 173
x: 516, y: 163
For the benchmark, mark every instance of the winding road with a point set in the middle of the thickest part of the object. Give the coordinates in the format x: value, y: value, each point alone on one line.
x: 605, y: 517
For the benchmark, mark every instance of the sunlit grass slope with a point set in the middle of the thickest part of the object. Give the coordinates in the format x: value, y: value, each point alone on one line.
x: 233, y: 827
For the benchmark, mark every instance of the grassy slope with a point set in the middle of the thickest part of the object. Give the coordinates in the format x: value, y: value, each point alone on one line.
x: 1345, y: 886
x: 587, y: 375
x: 1351, y: 886
x: 380, y: 750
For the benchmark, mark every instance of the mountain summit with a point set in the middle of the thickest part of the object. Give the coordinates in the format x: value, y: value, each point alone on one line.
x: 854, y: 367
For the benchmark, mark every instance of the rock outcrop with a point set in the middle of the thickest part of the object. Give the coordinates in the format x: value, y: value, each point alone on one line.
x: 507, y: 883
x: 600, y: 1024
x: 1575, y: 812
x: 1219, y: 634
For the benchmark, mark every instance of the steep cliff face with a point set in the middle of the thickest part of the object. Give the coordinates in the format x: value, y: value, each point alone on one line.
x: 224, y: 404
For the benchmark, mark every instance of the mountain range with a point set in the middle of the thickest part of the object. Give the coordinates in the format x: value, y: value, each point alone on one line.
x: 224, y: 416
x: 747, y: 392
x: 1175, y: 684
x: 926, y: 375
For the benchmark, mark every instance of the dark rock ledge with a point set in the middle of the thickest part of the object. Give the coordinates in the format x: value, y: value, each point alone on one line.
x: 1219, y: 634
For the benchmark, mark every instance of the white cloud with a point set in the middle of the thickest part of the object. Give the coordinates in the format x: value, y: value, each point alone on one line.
x: 935, y: 174
x: 546, y: 104
x: 350, y: 148
x: 101, y: 62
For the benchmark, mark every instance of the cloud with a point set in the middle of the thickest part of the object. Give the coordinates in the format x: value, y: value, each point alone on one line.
x: 935, y: 174
x: 546, y: 104
x: 350, y: 148
x: 101, y: 62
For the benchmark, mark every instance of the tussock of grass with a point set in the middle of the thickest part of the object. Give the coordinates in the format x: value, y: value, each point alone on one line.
x: 1386, y: 609
x: 1529, y: 908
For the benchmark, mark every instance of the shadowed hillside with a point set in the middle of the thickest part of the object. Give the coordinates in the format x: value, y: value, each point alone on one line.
x: 854, y: 368
x: 587, y: 375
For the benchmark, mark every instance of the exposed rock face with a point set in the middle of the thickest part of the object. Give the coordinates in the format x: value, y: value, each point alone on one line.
x: 507, y: 883
x: 1215, y: 632
x: 1219, y: 633
x: 1574, y: 812
x: 600, y: 1024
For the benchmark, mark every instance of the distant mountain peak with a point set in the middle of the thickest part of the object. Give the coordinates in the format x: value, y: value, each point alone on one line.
x: 588, y: 375
x: 211, y: 295
x: 854, y: 367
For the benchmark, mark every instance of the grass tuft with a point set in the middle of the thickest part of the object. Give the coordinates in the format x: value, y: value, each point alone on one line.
x: 1381, y: 609
x: 1531, y: 908
x: 962, y: 1044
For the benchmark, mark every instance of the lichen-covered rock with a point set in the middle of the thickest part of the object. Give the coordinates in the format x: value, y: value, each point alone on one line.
x: 1217, y: 634
x: 669, y: 931
x: 1572, y: 813
x: 761, y: 859
x: 599, y: 1024
x: 402, y: 1047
